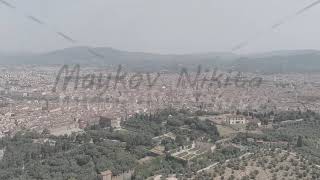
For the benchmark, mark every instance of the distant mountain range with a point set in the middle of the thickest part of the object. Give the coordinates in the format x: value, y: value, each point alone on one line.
x: 271, y: 62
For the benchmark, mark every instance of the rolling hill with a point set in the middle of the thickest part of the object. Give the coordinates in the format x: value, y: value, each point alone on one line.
x: 270, y: 62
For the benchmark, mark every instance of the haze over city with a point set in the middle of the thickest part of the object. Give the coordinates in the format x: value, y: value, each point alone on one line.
x: 159, y: 90
x: 167, y: 27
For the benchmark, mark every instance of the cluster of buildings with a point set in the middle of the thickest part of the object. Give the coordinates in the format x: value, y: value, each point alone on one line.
x: 28, y: 102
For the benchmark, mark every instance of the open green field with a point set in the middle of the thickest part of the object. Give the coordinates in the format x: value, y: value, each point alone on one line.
x: 225, y: 131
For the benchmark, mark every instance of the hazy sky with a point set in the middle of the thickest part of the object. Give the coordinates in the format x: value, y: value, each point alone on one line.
x: 160, y: 26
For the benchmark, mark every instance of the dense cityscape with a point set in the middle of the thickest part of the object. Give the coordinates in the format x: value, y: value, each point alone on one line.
x: 159, y: 90
x: 199, y: 123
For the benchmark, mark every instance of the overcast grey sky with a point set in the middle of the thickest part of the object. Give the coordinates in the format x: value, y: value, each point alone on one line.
x: 159, y: 26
